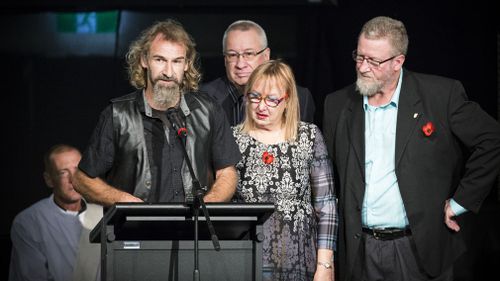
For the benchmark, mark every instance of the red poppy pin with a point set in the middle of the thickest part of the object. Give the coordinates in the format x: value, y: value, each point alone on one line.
x: 428, y: 129
x: 267, y: 157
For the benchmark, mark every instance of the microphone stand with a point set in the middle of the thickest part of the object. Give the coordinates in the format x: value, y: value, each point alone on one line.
x: 197, y: 200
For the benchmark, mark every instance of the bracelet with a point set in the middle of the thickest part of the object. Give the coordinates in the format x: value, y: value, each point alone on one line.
x: 326, y: 265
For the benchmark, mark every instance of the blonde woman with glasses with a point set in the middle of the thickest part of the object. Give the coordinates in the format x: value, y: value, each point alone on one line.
x: 285, y: 161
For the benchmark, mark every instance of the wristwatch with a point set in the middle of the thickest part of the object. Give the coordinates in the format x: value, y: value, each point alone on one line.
x: 327, y: 265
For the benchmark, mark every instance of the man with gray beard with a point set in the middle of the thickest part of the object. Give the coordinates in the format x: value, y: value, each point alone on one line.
x: 166, y: 95
x: 134, y: 155
x: 398, y: 140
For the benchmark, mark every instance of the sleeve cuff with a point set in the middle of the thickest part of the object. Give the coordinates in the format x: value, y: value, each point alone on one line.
x: 456, y: 208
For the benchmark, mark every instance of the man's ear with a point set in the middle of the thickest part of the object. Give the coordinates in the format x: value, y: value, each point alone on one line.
x: 399, y: 62
x: 48, y: 180
x: 144, y: 61
x: 267, y: 53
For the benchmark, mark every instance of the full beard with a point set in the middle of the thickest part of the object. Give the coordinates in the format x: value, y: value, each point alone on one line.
x: 166, y: 96
x: 368, y: 87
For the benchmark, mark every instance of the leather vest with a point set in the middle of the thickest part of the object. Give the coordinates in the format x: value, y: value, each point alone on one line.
x: 131, y: 171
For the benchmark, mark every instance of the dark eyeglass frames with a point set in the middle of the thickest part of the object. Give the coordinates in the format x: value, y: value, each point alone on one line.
x: 372, y: 62
x: 233, y: 56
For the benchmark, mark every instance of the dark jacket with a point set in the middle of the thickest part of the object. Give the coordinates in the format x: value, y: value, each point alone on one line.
x: 218, y: 90
x: 459, y: 160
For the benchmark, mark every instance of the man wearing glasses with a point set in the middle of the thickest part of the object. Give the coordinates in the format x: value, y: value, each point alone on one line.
x: 398, y: 140
x: 245, y: 47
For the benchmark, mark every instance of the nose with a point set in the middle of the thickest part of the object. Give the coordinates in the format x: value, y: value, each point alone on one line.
x: 363, y: 66
x: 261, y: 105
x: 240, y: 62
x: 168, y: 71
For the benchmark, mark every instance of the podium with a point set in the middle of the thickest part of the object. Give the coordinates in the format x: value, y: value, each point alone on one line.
x: 154, y: 241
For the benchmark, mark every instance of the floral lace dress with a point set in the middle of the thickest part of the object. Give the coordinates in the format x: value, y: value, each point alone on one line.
x: 296, y: 176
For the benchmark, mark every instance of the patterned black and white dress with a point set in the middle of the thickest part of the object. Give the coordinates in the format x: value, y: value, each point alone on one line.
x: 299, y: 181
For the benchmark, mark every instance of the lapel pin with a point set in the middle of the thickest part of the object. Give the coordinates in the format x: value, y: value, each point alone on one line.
x: 415, y: 115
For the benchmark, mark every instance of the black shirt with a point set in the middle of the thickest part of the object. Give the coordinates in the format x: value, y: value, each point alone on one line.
x: 165, y: 154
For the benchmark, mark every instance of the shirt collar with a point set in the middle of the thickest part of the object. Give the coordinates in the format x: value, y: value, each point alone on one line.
x: 83, y: 207
x: 395, y: 97
x: 147, y: 109
x: 184, y: 107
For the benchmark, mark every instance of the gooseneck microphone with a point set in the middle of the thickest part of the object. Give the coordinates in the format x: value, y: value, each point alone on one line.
x: 176, y: 121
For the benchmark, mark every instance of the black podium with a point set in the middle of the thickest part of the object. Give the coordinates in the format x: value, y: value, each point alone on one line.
x: 143, y: 241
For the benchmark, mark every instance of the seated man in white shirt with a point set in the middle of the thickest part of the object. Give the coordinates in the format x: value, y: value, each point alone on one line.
x: 46, y: 236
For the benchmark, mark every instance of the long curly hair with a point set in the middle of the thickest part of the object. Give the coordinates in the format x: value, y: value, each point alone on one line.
x: 173, y: 31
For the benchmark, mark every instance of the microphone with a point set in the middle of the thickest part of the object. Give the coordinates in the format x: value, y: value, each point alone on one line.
x: 176, y: 121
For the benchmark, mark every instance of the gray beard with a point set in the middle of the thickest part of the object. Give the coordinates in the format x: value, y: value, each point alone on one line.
x: 166, y: 97
x: 368, y: 88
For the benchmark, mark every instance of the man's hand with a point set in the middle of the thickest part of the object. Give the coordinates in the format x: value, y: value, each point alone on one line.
x: 449, y: 217
x: 98, y: 191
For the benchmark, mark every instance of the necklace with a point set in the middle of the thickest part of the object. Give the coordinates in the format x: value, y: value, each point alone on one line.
x: 268, y: 137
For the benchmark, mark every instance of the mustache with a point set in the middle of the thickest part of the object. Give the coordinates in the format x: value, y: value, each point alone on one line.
x: 166, y: 78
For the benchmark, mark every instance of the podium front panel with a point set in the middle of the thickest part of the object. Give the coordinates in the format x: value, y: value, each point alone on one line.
x: 173, y: 260
x: 155, y: 242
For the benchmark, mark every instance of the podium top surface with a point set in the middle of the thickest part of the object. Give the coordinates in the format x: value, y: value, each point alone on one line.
x: 141, y: 219
x: 179, y: 209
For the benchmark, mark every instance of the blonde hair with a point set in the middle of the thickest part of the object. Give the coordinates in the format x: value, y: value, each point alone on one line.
x: 172, y: 31
x: 276, y: 71
x: 385, y: 27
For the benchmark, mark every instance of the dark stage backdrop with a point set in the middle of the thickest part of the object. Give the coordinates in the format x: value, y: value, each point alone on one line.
x: 57, y: 76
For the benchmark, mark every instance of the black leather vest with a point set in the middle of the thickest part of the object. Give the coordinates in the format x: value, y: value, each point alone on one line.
x: 132, y: 172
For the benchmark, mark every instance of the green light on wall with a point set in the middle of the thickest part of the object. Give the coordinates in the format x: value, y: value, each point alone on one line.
x: 88, y: 22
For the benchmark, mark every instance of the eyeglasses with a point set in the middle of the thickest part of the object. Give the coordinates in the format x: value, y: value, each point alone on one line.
x: 372, y: 62
x: 233, y: 56
x: 254, y: 97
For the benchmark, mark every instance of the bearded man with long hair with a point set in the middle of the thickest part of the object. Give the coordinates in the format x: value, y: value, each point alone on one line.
x: 134, y: 154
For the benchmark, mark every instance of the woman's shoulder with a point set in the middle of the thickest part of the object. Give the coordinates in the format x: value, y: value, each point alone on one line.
x: 307, y: 127
x: 237, y: 129
x: 238, y: 132
x: 310, y: 131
